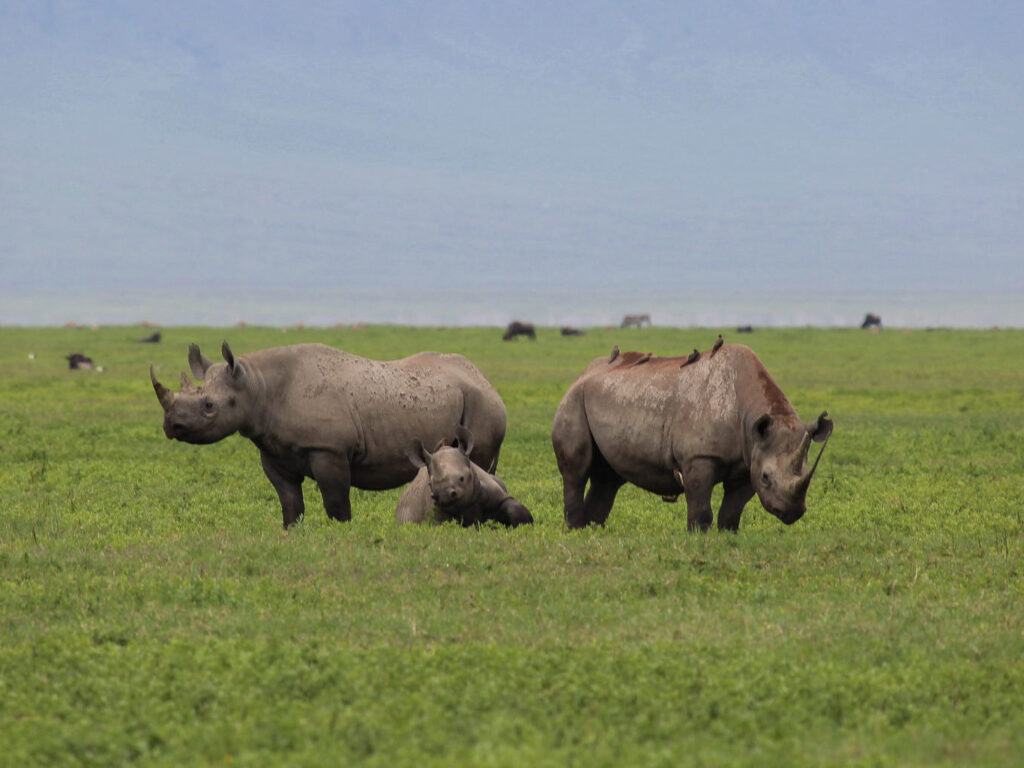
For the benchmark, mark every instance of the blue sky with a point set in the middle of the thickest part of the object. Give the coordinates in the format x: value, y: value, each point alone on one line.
x: 473, y: 161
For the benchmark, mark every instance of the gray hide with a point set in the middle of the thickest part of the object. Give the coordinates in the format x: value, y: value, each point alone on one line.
x: 449, y: 486
x: 343, y: 420
x: 670, y: 427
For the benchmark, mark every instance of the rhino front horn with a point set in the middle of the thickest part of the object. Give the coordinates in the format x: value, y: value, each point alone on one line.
x: 163, y: 394
x: 807, y: 480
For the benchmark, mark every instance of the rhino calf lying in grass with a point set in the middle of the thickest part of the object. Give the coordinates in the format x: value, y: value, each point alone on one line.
x: 343, y: 420
x: 449, y: 486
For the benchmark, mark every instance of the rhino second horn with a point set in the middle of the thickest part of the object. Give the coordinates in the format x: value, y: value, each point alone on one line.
x: 163, y: 394
x: 801, y: 453
x: 186, y: 384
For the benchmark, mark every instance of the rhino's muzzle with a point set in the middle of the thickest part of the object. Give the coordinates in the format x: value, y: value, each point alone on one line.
x: 173, y: 429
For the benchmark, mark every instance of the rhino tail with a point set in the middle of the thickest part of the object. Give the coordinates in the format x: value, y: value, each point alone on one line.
x: 494, y: 464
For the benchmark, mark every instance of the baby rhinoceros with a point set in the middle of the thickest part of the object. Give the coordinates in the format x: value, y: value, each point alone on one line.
x: 449, y: 486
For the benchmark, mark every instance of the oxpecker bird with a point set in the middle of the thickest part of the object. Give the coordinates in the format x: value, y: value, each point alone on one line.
x: 615, y: 354
x: 718, y: 345
x: 694, y: 357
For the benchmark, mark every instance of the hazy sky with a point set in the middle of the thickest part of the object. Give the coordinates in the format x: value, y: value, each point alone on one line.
x: 472, y: 161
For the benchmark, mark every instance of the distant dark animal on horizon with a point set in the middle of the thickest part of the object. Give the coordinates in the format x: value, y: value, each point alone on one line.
x: 519, y: 328
x: 568, y: 330
x: 78, y: 361
x: 871, y: 320
x: 153, y: 339
x: 635, y: 321
x: 745, y: 329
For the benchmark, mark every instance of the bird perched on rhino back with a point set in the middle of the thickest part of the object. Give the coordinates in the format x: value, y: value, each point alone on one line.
x: 342, y: 420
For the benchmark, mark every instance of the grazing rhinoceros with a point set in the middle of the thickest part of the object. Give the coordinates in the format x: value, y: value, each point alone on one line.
x: 449, y: 486
x: 343, y: 420
x: 671, y: 425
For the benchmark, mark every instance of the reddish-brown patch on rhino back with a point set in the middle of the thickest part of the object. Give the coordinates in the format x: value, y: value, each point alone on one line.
x: 778, y: 403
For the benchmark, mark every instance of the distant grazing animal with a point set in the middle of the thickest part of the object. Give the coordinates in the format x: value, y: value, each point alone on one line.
x: 668, y: 430
x: 745, y: 329
x: 871, y: 320
x: 152, y: 339
x: 449, y: 486
x: 568, y: 330
x: 517, y: 328
x: 717, y: 345
x: 314, y: 411
x: 635, y: 321
x: 78, y: 361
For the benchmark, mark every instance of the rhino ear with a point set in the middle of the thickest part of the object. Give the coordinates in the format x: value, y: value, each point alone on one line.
x: 234, y: 366
x: 418, y: 455
x: 197, y: 362
x: 763, y: 426
x: 464, y: 438
x: 820, y: 429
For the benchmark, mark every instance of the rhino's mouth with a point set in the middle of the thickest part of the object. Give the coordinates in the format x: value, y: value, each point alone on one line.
x: 178, y: 431
x: 787, y: 516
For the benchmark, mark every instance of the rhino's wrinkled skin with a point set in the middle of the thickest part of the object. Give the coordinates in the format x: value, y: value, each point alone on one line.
x: 449, y: 486
x: 314, y: 411
x: 670, y: 426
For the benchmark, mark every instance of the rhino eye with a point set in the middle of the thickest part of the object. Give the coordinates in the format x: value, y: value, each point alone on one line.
x: 462, y: 479
x: 766, y: 480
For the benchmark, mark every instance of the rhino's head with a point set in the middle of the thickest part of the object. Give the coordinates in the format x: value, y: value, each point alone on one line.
x: 449, y: 469
x: 207, y: 413
x: 778, y: 463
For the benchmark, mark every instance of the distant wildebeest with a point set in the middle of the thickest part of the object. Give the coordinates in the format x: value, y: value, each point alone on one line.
x: 342, y: 420
x: 78, y: 361
x: 745, y: 329
x: 518, y: 328
x: 635, y: 321
x: 671, y: 427
x: 871, y: 320
x: 568, y: 330
x: 449, y: 486
x: 152, y: 339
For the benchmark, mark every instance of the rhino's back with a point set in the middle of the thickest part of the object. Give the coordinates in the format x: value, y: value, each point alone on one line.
x: 647, y: 413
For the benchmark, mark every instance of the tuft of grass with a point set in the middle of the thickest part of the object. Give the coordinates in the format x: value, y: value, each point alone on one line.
x: 154, y: 612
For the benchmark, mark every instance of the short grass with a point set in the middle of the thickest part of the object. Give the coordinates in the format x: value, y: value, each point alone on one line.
x: 154, y: 613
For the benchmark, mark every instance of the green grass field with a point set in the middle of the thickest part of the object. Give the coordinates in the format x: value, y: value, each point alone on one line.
x: 153, y: 612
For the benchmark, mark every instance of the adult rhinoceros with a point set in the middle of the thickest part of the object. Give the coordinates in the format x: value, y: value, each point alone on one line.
x: 671, y: 425
x: 343, y: 420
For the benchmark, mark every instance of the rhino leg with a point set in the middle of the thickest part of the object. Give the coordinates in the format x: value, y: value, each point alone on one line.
x: 604, y: 485
x: 737, y: 494
x: 334, y: 476
x: 415, y: 504
x: 511, y: 513
x: 574, y: 452
x: 700, y: 477
x: 288, y: 486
